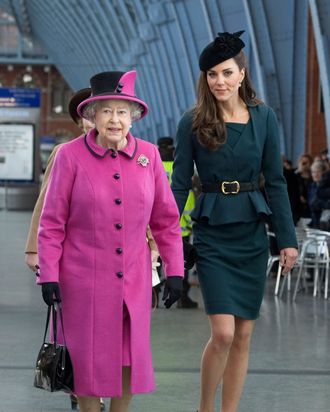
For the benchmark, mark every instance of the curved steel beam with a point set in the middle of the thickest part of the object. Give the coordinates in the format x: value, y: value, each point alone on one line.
x: 263, y: 52
x: 322, y: 41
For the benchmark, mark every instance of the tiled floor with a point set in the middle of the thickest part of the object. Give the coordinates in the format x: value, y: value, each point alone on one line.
x: 290, y: 360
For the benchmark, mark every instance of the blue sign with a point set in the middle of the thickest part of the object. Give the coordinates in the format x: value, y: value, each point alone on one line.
x: 11, y: 97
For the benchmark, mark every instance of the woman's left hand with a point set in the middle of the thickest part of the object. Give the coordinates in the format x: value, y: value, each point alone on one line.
x: 288, y: 257
x: 172, y: 290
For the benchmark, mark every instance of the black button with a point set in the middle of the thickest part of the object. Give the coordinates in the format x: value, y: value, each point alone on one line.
x: 119, y: 274
x: 116, y: 176
x: 118, y: 201
x: 118, y: 226
x: 113, y: 155
x: 119, y: 250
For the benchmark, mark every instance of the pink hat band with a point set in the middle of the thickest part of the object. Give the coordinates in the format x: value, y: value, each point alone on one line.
x: 113, y: 85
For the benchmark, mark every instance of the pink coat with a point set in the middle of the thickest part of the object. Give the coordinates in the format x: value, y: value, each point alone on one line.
x: 92, y: 239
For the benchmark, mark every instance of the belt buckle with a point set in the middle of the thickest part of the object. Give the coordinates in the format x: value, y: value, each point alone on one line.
x: 231, y: 192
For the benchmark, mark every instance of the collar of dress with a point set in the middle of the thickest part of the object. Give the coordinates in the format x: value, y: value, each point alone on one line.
x: 129, y: 150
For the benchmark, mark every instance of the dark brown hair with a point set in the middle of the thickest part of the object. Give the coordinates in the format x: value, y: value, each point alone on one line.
x: 208, y: 123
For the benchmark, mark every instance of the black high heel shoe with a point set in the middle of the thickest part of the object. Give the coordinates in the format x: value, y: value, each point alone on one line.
x: 74, y: 403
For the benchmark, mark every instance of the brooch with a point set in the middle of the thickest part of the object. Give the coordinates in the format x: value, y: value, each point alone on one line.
x: 143, y: 160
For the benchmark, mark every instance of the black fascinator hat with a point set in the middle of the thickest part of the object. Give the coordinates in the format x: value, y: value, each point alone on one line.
x: 224, y: 46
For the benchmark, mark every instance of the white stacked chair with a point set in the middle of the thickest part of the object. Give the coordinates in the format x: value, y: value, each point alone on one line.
x: 314, y: 254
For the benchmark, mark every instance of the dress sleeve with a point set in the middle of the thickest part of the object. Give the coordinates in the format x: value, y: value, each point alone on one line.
x: 54, y: 217
x: 183, y: 167
x: 276, y: 188
x: 164, y: 222
x: 32, y: 239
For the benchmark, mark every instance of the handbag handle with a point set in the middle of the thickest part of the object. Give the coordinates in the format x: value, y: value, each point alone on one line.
x: 47, y: 322
x: 53, y: 310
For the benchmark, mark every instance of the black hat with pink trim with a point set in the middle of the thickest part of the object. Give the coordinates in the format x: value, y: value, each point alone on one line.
x: 115, y: 86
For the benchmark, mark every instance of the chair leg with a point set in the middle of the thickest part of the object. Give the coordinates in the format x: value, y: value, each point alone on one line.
x: 316, y: 280
x: 271, y: 261
x: 326, y: 279
x: 304, y: 281
x: 286, y: 281
x: 278, y: 279
x: 297, y: 283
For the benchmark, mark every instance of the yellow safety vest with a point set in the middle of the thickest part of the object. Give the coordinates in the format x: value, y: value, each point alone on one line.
x: 185, y: 221
x: 168, y: 166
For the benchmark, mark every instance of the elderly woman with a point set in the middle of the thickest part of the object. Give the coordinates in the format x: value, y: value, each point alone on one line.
x: 105, y: 188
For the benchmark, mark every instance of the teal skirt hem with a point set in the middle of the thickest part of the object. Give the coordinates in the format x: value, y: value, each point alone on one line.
x: 231, y: 266
x: 217, y: 309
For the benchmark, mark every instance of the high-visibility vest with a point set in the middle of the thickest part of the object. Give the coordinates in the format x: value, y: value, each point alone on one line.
x: 185, y: 221
x: 168, y: 166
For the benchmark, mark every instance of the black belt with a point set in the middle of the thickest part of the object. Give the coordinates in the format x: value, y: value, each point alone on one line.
x: 230, y: 188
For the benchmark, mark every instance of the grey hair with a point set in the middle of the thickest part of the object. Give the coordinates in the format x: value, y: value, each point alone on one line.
x: 89, y: 110
x: 318, y: 166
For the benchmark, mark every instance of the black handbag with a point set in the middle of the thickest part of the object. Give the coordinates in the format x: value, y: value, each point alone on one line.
x: 53, y: 370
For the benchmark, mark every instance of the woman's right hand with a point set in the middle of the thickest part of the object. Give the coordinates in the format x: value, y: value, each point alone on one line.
x: 32, y: 260
x: 154, y: 255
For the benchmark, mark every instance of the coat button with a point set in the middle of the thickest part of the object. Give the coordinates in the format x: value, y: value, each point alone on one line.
x: 118, y: 201
x: 119, y: 274
x: 116, y: 176
x: 118, y: 226
x: 113, y: 155
x: 119, y: 250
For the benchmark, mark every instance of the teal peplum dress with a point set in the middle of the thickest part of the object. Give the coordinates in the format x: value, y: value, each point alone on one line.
x: 229, y: 230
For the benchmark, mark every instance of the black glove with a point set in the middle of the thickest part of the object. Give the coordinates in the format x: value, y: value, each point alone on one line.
x: 49, y: 290
x: 189, y: 254
x: 172, y: 290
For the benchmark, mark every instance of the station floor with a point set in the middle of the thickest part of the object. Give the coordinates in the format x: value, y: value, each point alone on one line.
x: 289, y: 368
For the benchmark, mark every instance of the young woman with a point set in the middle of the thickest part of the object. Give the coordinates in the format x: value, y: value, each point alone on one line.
x: 232, y: 138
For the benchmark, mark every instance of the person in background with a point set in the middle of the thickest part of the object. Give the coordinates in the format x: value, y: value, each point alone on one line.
x: 318, y: 192
x: 166, y: 150
x: 231, y: 137
x: 31, y: 248
x: 93, y: 254
x: 304, y: 178
x: 324, y: 155
x: 287, y: 164
x: 323, y: 195
x: 292, y: 185
x: 185, y: 302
